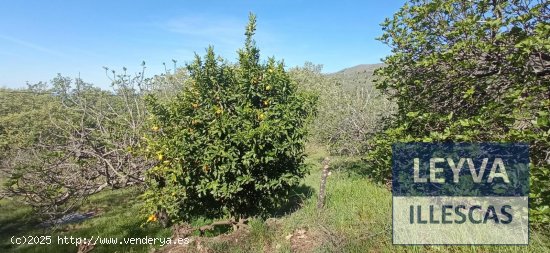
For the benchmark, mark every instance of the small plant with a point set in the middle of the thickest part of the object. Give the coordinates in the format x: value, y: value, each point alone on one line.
x: 231, y: 143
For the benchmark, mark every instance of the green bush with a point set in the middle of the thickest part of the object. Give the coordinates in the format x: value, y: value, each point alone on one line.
x: 231, y: 143
x: 470, y: 71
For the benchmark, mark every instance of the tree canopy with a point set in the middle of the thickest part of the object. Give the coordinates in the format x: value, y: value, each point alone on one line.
x: 231, y: 143
x: 470, y: 71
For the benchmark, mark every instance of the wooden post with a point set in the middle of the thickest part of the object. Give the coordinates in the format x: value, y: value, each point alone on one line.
x: 321, y: 199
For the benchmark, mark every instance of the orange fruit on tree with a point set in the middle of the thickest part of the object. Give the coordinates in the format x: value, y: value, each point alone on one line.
x: 152, y: 217
x: 261, y: 116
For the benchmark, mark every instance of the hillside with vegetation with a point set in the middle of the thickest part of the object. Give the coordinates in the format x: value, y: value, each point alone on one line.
x: 357, y: 76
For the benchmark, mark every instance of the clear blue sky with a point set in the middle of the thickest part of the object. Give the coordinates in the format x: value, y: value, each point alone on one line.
x: 39, y: 39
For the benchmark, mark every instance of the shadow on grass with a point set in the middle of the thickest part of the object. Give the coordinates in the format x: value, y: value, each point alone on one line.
x: 119, y: 217
x: 15, y: 220
x: 15, y: 217
x: 294, y: 200
x: 353, y: 167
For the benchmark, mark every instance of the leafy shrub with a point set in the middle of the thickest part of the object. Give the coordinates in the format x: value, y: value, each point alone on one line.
x: 231, y: 143
x: 470, y: 71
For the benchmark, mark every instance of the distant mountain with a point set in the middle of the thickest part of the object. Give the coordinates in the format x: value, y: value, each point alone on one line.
x: 357, y: 77
x: 359, y: 69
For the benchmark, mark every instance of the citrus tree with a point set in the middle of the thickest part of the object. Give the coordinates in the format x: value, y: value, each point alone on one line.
x: 231, y: 143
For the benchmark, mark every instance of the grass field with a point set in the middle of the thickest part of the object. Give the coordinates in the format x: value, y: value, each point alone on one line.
x: 118, y: 216
x: 356, y: 218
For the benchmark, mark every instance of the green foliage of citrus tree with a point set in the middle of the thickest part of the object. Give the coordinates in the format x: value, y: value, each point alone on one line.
x: 470, y: 71
x: 231, y: 143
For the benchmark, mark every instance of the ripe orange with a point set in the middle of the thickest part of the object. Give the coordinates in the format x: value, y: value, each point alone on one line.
x: 261, y: 116
x: 152, y: 217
